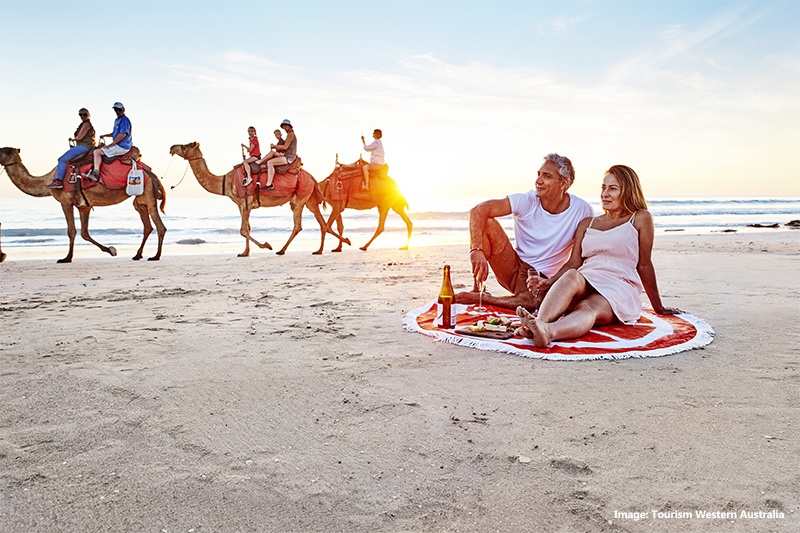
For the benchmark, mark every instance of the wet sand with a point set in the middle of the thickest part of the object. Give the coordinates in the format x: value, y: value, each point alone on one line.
x: 214, y: 393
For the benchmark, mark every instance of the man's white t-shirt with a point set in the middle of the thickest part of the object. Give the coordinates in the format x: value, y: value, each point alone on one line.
x: 544, y: 240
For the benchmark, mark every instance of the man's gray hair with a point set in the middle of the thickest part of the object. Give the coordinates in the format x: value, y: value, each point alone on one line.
x: 565, y: 167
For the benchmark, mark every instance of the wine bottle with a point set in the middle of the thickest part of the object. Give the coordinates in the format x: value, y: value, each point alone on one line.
x: 446, y: 318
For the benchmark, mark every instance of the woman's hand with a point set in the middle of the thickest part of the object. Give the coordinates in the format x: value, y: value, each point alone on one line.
x: 668, y: 311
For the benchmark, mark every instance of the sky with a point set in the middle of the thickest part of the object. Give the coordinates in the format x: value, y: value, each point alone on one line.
x: 700, y: 97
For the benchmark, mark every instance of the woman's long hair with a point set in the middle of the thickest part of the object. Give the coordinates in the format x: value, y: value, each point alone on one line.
x: 632, y: 196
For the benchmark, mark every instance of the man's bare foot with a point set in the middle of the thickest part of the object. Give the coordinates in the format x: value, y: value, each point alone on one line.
x: 471, y: 297
x: 539, y: 330
x: 523, y: 332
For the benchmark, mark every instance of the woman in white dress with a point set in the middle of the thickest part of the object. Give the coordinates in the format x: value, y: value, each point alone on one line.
x: 610, y: 265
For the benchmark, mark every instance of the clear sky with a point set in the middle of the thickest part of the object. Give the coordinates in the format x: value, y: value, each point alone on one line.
x: 701, y: 97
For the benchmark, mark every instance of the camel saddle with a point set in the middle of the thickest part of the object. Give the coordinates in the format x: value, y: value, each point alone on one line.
x: 346, y: 180
x: 292, y: 168
x: 87, y: 158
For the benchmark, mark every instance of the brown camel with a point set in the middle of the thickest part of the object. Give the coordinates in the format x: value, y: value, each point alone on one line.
x: 384, y: 193
x: 98, y: 195
x: 225, y: 186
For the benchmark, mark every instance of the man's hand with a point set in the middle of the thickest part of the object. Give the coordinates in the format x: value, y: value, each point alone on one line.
x: 480, y: 266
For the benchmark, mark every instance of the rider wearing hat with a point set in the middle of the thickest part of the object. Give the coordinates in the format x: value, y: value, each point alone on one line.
x: 274, y: 158
x: 121, y: 140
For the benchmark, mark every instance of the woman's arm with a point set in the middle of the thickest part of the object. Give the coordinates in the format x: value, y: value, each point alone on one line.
x: 575, y: 259
x: 647, y: 272
x: 283, y: 147
x: 84, y: 129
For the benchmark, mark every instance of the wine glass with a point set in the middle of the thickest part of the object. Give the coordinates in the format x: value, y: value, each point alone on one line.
x: 481, y: 288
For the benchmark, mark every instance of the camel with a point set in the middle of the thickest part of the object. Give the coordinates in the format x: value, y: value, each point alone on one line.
x: 225, y: 186
x: 98, y: 195
x: 384, y: 193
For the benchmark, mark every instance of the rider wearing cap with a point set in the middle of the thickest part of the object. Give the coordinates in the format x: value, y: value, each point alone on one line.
x: 121, y: 140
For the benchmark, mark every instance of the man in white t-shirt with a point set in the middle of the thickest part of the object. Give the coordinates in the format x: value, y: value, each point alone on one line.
x: 545, y: 220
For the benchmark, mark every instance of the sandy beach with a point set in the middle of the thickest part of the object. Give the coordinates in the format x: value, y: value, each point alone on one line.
x: 281, y: 394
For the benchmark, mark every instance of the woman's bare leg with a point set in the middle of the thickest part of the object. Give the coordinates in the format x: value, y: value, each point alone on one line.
x: 271, y: 168
x: 570, y: 287
x: 593, y: 310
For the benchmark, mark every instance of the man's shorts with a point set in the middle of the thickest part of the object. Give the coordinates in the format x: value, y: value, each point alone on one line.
x: 114, y: 151
x: 516, y: 278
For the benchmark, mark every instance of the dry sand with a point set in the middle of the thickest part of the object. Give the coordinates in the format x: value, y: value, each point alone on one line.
x: 218, y: 394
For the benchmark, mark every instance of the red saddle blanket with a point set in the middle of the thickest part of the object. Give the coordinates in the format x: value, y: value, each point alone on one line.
x: 346, y: 182
x: 113, y: 175
x: 301, y: 183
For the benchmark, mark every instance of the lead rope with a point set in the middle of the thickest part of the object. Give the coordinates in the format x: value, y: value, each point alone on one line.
x: 184, y: 174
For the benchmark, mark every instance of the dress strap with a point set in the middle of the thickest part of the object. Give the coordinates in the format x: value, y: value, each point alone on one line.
x: 590, y: 223
x: 632, y: 217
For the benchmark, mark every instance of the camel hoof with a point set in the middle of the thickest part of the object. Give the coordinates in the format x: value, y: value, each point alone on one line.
x: 3, y: 257
x: 112, y: 251
x: 336, y: 250
x: 155, y: 258
x: 137, y: 257
x: 403, y: 248
x: 318, y: 252
x: 65, y: 260
x: 347, y: 241
x: 243, y: 254
x: 280, y: 252
x: 363, y: 248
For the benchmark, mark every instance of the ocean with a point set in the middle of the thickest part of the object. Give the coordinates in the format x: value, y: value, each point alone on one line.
x: 37, y: 224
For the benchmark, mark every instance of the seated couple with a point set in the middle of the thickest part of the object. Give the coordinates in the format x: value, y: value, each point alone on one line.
x: 592, y: 268
x: 282, y: 153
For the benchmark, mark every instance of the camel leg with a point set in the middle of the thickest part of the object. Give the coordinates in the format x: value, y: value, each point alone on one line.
x: 2, y: 255
x: 297, y: 211
x: 383, y: 211
x: 325, y: 228
x: 147, y: 227
x: 84, y: 213
x: 409, y: 226
x: 69, y: 214
x: 340, y: 225
x: 336, y: 216
x: 161, y: 229
x: 244, y: 231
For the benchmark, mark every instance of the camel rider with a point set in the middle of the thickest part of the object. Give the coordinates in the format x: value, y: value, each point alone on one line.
x: 121, y: 140
x: 84, y: 141
x: 376, y: 161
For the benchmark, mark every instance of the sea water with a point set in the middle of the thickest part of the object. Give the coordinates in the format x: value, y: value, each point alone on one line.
x: 214, y: 222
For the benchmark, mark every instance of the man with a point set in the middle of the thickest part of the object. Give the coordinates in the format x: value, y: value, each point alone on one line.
x: 545, y: 220
x: 376, y: 160
x: 121, y: 143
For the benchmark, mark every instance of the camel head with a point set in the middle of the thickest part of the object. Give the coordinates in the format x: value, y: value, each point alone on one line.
x: 186, y: 151
x: 9, y: 156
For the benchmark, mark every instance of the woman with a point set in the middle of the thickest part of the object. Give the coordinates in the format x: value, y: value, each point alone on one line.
x: 281, y: 154
x: 610, y: 264
x: 84, y: 142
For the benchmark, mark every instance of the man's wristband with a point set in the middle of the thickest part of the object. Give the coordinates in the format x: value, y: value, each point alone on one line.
x: 476, y: 250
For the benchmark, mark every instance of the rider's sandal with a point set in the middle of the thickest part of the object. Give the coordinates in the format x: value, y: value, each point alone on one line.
x: 269, y: 187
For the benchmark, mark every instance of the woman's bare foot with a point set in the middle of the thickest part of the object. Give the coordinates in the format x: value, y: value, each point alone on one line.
x: 538, y: 330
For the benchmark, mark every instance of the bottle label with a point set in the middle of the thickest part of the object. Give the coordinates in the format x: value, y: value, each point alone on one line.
x: 440, y: 318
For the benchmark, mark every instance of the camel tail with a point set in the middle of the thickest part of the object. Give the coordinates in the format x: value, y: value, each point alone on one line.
x: 318, y: 197
x: 160, y: 192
